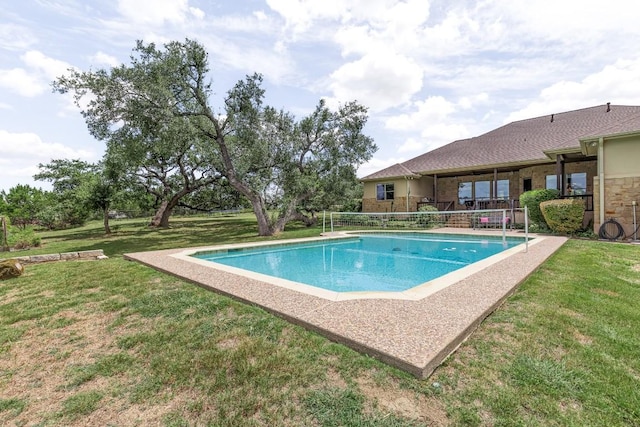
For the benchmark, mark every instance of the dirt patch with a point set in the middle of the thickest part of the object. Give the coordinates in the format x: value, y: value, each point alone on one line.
x: 581, y: 338
x: 405, y: 403
x: 636, y: 268
x: 606, y: 292
x: 39, y: 365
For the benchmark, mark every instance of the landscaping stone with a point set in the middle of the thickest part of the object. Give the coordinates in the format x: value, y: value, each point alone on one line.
x: 44, y: 258
x: 10, y: 268
x: 69, y: 255
x: 90, y: 254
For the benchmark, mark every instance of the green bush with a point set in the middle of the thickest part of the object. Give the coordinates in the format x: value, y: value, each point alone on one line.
x: 532, y: 199
x: 563, y: 216
x: 19, y: 238
x: 430, y: 220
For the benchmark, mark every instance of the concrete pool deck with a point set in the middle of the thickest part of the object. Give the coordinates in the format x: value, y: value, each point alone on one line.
x: 415, y: 334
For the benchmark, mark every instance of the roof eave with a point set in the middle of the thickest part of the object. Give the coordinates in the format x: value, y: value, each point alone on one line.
x: 589, y: 144
x: 479, y: 167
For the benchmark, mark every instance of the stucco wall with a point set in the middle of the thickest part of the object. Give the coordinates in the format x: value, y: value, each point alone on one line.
x: 621, y: 183
x: 418, y: 189
x: 622, y: 157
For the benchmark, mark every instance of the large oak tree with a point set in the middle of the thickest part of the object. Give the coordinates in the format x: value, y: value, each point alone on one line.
x: 156, y: 116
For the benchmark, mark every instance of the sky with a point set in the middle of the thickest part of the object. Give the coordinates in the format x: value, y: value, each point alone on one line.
x: 429, y: 71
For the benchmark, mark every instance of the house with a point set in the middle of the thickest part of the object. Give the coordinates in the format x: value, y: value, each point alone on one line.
x: 591, y: 153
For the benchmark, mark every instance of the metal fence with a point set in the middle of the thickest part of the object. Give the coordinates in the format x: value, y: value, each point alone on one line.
x: 496, y: 219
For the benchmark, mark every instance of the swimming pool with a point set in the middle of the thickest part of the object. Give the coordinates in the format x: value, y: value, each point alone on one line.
x: 370, y: 262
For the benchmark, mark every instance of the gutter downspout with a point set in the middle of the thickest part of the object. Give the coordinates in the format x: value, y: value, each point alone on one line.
x: 601, y: 178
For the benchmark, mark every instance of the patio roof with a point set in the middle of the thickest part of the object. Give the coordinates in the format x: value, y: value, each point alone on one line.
x: 521, y: 142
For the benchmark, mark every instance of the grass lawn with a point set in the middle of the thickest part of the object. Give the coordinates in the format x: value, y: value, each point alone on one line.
x: 116, y: 343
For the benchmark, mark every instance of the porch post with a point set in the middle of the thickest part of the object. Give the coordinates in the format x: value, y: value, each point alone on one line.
x: 601, y: 183
x: 435, y: 189
x: 495, y: 184
x: 560, y: 173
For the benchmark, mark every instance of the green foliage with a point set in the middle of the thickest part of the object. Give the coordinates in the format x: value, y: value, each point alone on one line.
x: 563, y: 216
x: 79, y: 188
x: 23, y: 238
x: 429, y: 220
x: 22, y: 204
x: 160, y: 127
x: 532, y: 199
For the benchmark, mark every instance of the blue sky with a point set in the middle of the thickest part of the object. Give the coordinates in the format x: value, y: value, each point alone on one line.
x: 430, y: 71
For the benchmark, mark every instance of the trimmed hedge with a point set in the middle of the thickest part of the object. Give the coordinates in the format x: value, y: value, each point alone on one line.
x: 532, y: 199
x: 563, y: 216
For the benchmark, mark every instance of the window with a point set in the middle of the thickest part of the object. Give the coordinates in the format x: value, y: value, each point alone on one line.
x: 384, y: 191
x: 482, y: 190
x: 578, y: 182
x: 464, y: 192
x: 552, y: 182
x: 527, y: 185
x: 503, y: 189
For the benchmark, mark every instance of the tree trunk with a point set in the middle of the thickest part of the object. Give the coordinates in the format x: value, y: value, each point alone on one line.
x: 105, y: 212
x: 161, y: 217
x: 308, y: 221
x: 262, y: 216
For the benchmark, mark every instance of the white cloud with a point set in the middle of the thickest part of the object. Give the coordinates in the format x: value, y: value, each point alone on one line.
x: 21, y: 152
x: 49, y: 68
x: 434, y: 119
x: 101, y: 58
x: 16, y: 37
x: 376, y: 164
x: 379, y: 81
x: 155, y: 12
x: 34, y: 80
x: 22, y: 82
x: 29, y: 147
x: 615, y: 83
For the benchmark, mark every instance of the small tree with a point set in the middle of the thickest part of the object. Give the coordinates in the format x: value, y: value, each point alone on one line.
x: 23, y: 203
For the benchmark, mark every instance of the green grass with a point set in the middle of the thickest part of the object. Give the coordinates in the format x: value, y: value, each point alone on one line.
x: 89, y: 341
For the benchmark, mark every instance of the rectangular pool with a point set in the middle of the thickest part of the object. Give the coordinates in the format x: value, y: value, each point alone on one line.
x: 370, y: 262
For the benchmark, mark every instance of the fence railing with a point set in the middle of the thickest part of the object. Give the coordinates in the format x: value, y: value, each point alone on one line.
x: 497, y: 219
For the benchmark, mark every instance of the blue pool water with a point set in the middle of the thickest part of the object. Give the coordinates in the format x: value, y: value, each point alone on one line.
x: 370, y: 262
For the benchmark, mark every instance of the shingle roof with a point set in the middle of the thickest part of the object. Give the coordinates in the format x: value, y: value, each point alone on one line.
x: 524, y: 141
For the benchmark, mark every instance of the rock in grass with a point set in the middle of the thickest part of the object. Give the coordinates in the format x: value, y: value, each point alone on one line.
x: 10, y: 268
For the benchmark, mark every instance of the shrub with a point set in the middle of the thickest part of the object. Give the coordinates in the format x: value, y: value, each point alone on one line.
x: 532, y: 199
x: 429, y: 220
x: 563, y: 216
x: 19, y: 238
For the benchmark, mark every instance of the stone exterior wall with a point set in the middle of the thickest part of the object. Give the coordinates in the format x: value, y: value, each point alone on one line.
x: 618, y: 193
x: 448, y: 186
